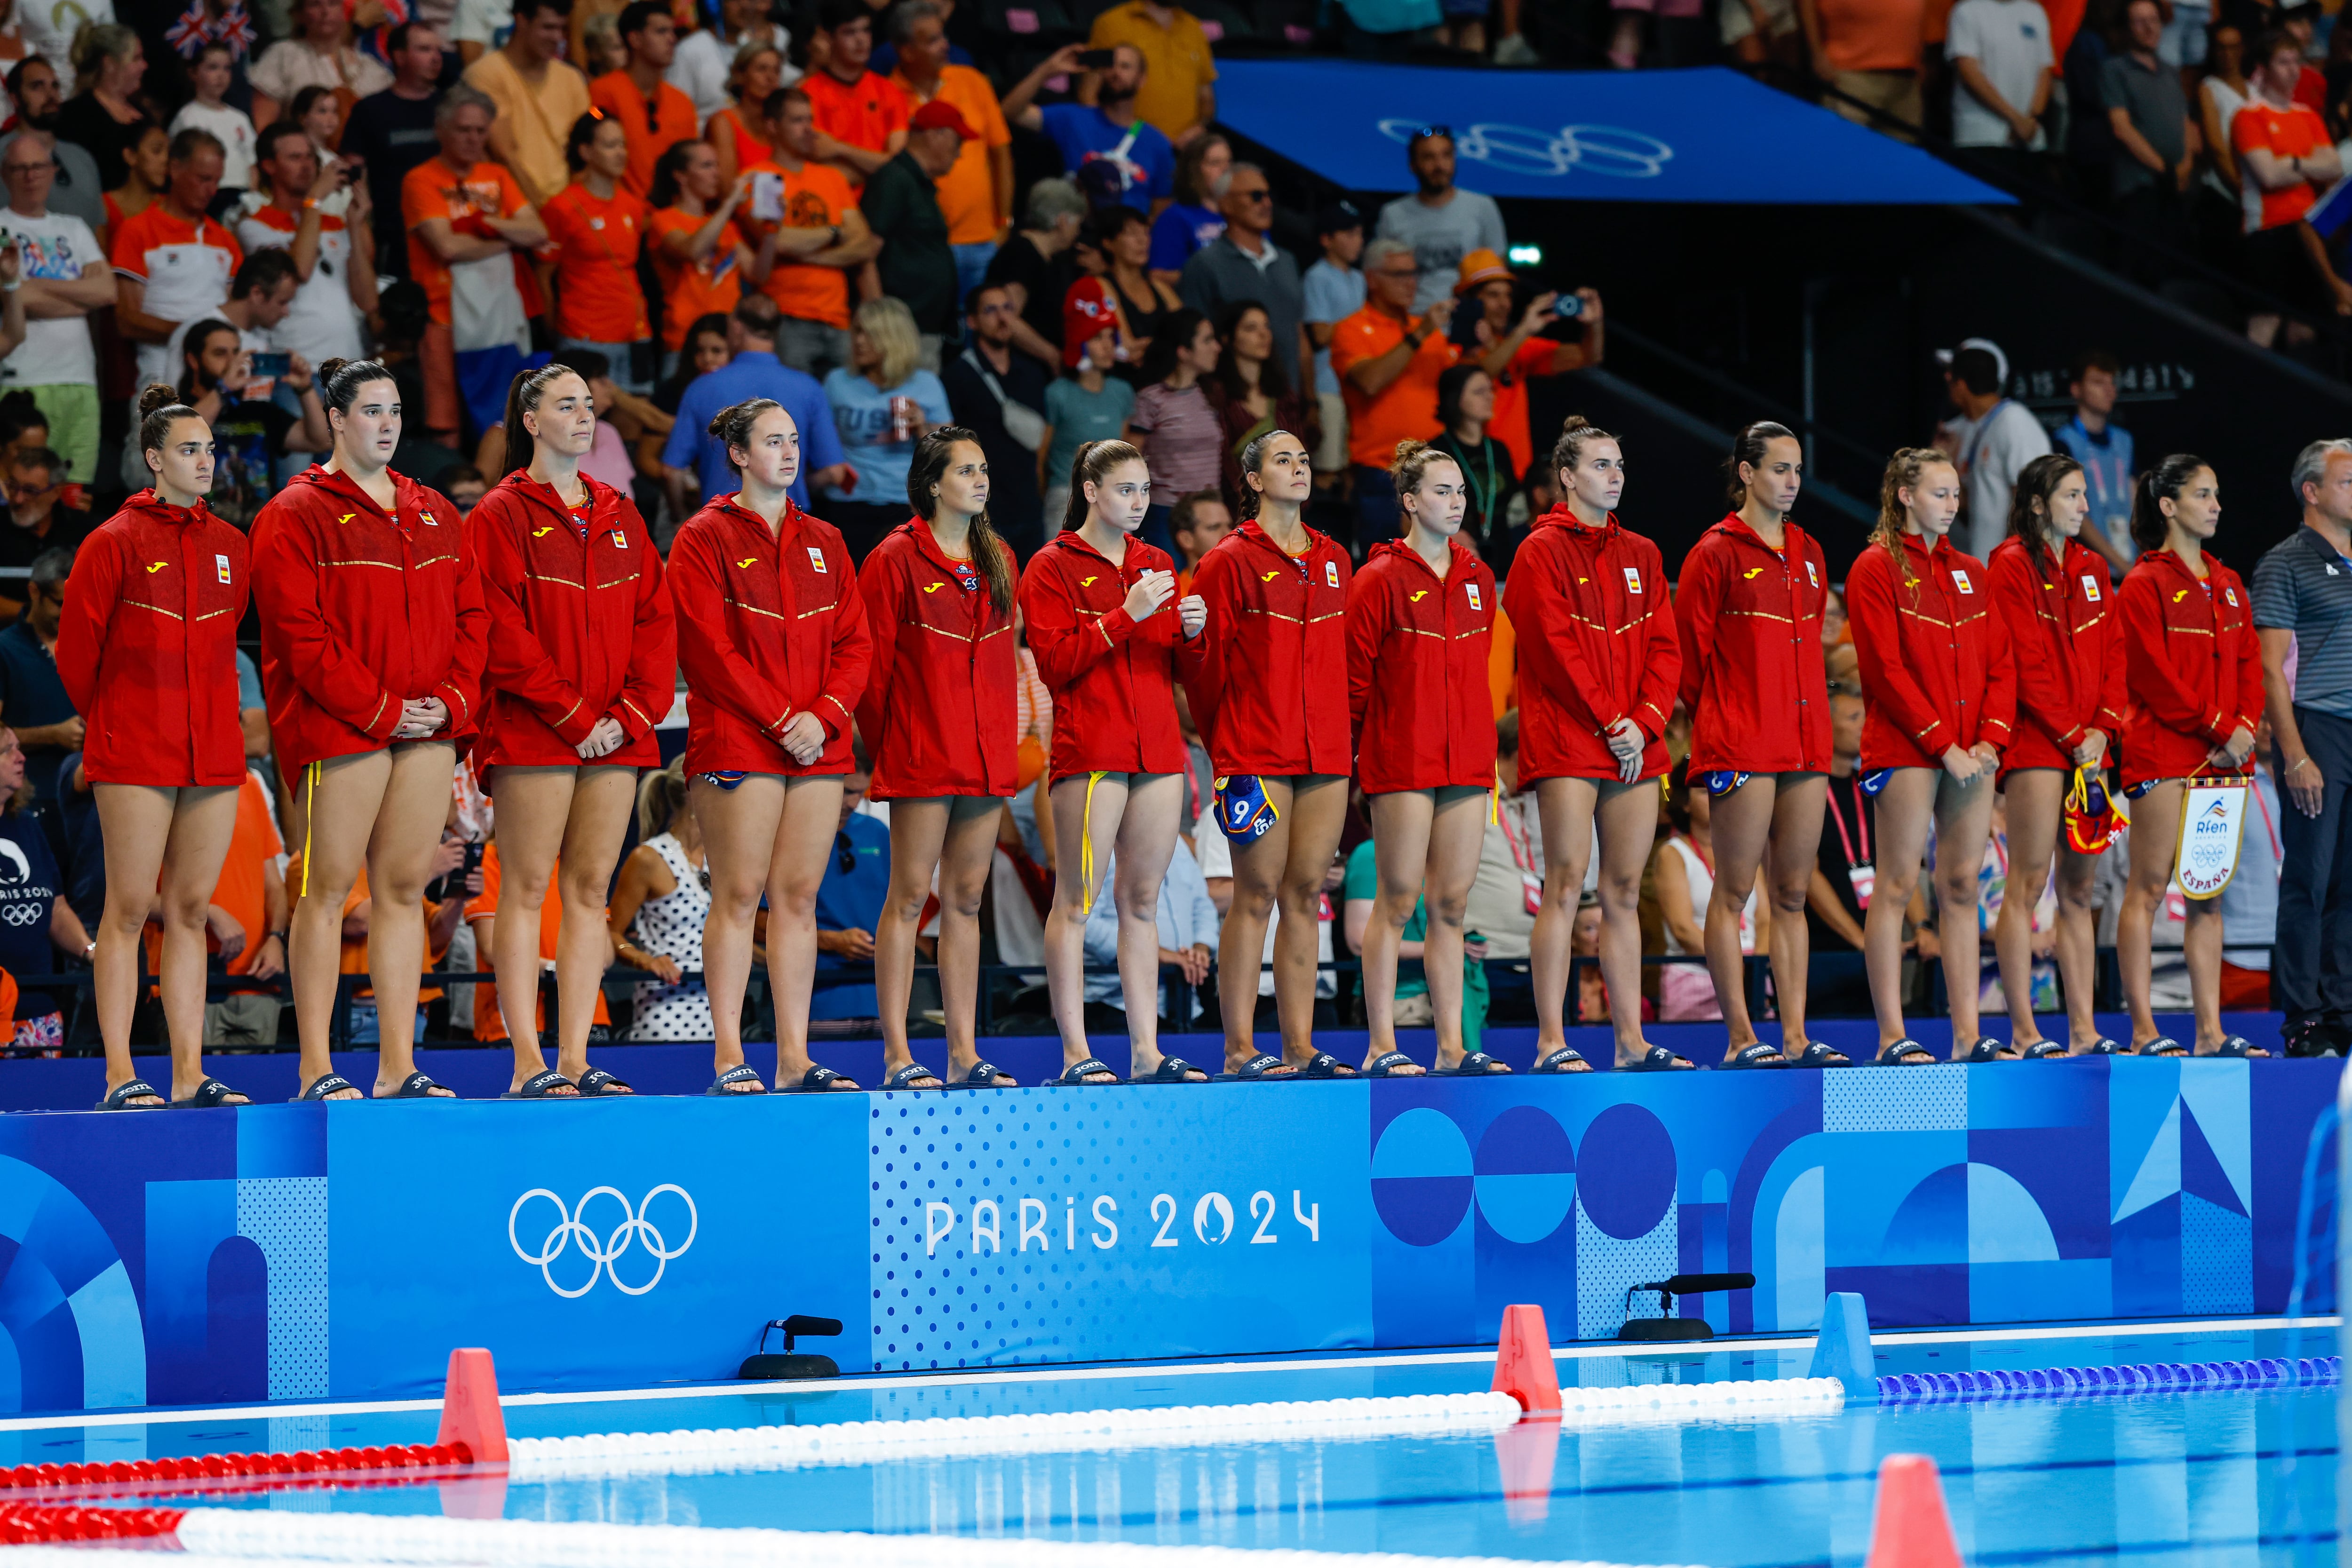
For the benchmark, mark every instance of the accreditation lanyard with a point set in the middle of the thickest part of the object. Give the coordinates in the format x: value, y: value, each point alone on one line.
x: 1859, y: 868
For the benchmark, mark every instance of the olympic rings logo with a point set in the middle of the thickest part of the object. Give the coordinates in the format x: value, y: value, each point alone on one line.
x: 22, y: 914
x: 603, y: 1253
x: 1605, y: 150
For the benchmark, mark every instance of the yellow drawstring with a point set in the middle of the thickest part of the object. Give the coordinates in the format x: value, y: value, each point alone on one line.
x: 1086, y: 840
x: 309, y: 816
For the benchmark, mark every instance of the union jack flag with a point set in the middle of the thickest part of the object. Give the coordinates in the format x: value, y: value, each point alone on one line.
x: 197, y: 27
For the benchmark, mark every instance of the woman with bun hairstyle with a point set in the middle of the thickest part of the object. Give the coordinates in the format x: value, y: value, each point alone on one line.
x: 1936, y: 667
x: 1268, y: 685
x: 939, y: 718
x: 372, y: 640
x: 2192, y: 663
x: 582, y: 663
x: 147, y: 649
x: 1104, y: 622
x: 1599, y: 657
x: 771, y: 634
x: 2058, y: 611
x: 1421, y: 623
x: 1750, y: 601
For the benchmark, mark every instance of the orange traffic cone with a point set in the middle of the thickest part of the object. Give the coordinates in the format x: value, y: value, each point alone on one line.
x: 470, y: 1407
x: 1910, y: 1528
x: 1523, y: 1366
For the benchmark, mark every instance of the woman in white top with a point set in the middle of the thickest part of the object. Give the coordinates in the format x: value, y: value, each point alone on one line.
x: 659, y: 909
x: 1684, y: 874
x: 2219, y: 96
x: 322, y: 57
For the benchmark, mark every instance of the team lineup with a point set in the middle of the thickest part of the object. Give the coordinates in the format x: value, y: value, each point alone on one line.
x: 544, y: 636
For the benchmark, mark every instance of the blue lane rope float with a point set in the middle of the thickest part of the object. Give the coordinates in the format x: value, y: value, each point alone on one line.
x: 2053, y: 1383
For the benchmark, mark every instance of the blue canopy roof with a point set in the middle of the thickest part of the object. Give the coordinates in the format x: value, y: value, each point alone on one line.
x: 1706, y: 135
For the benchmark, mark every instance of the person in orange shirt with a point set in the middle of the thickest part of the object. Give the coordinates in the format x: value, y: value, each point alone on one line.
x: 861, y: 120
x: 976, y: 195
x: 1388, y: 361
x: 1512, y: 352
x: 598, y: 229
x: 655, y: 115
x: 2286, y: 159
x: 812, y: 288
x: 482, y: 914
x: 738, y: 132
x: 700, y: 253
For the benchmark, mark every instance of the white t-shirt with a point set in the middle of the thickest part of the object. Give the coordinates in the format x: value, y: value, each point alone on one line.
x: 2009, y: 41
x: 234, y: 128
x: 1993, y: 454
x: 48, y: 27
x: 56, y: 352
x: 323, y: 323
x: 488, y: 23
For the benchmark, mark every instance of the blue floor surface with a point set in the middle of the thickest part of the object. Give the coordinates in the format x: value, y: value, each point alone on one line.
x: 2192, y: 1479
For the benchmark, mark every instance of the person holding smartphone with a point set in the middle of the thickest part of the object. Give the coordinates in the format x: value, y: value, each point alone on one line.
x: 1514, y: 351
x: 221, y: 382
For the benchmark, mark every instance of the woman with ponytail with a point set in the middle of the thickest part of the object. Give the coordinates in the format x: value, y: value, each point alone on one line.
x: 147, y: 649
x: 1599, y: 659
x: 939, y: 718
x: 1936, y: 667
x: 2057, y: 610
x: 1749, y: 602
x: 2192, y: 664
x: 1268, y: 685
x: 372, y: 640
x: 582, y: 663
x: 1421, y: 623
x: 771, y: 634
x: 1103, y: 622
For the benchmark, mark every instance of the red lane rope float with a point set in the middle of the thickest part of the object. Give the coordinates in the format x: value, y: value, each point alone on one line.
x: 33, y: 1524
x: 228, y: 1473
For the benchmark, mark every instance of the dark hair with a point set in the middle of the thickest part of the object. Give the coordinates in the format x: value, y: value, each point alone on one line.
x: 971, y: 300
x: 397, y: 39
x: 1977, y: 369
x: 1450, y: 383
x: 523, y: 395
x: 2090, y: 360
x: 1270, y: 378
x: 18, y: 414
x: 158, y: 406
x: 2037, y: 482
x: 308, y: 99
x: 637, y: 12
x: 192, y: 349
x: 1748, y: 447
x: 188, y: 142
x: 215, y: 46
x: 264, y: 270
x: 831, y: 16
x: 463, y: 474
x: 1574, y: 432
x: 932, y: 455
x: 1180, y: 516
x: 15, y: 78
x: 1108, y: 223
x: 1094, y: 460
x: 406, y: 312
x: 588, y: 362
x: 733, y: 425
x: 2161, y: 483
x: 1177, y: 331
x: 1678, y: 790
x: 757, y: 314
x: 2268, y: 45
x: 1253, y: 460
x: 45, y: 459
x: 1189, y: 189
x: 526, y: 9
x: 266, y: 140
x: 584, y: 132
x: 1507, y: 733
x: 339, y: 381
x: 669, y: 170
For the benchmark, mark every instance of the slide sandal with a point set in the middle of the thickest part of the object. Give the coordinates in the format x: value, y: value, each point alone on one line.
x: 1385, y: 1065
x: 2041, y: 1050
x: 598, y: 1084
x: 1903, y: 1054
x: 1755, y: 1057
x: 1173, y: 1070
x: 1075, y: 1075
x: 986, y: 1074
x: 1559, y: 1060
x: 1259, y: 1069
x: 211, y: 1095
x: 1478, y: 1064
x: 1989, y: 1049
x: 1658, y: 1058
x: 140, y: 1089
x: 2238, y: 1046
x: 417, y: 1086
x: 819, y: 1080
x: 1818, y: 1054
x: 542, y: 1085
x: 322, y: 1086
x: 912, y: 1076
x: 724, y: 1084
x: 1323, y: 1064
x: 2162, y: 1045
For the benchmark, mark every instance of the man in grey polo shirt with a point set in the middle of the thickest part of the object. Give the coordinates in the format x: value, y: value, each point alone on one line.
x: 2303, y: 608
x: 1244, y: 263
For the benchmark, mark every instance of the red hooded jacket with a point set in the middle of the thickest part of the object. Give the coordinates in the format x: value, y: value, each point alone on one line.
x: 939, y: 711
x: 1113, y: 677
x: 1268, y: 679
x: 1596, y: 644
x: 2066, y: 642
x: 361, y: 612
x: 580, y: 629
x: 767, y: 625
x: 2191, y: 662
x: 1417, y: 651
x: 1935, y: 660
x: 147, y: 645
x: 1751, y: 633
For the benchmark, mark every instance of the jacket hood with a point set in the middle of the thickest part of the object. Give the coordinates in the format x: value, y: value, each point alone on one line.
x: 1560, y: 516
x: 1461, y: 553
x: 149, y: 504
x: 603, y: 501
x: 409, y: 495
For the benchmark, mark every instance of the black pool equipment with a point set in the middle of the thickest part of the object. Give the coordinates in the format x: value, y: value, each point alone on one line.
x: 1666, y: 1326
x: 762, y: 1367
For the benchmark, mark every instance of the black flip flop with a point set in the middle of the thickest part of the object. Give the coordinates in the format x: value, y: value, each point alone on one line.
x: 1751, y: 1058
x: 1658, y: 1058
x: 1385, y: 1065
x: 819, y: 1080
x: 1171, y: 1070
x: 1818, y: 1054
x: 912, y: 1074
x: 211, y: 1095
x: 1323, y: 1064
x: 986, y: 1074
x: 1558, y: 1061
x: 418, y: 1086
x: 324, y: 1085
x: 1256, y: 1071
x: 1075, y: 1075
x: 540, y: 1084
x: 723, y: 1086
x: 598, y: 1084
x: 137, y: 1089
x: 1478, y: 1064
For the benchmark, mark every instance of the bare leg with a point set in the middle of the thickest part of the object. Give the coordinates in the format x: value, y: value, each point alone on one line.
x: 1565, y: 806
x: 798, y: 852
x: 181, y: 835
x: 334, y: 812
x: 739, y: 835
x: 400, y: 862
x: 1742, y: 826
x: 966, y: 857
x: 1627, y: 820
x: 1241, y: 941
x: 2200, y: 944
x: 1907, y: 807
x: 1401, y: 825
x: 2078, y: 945
x: 2151, y: 843
x: 2036, y: 798
x: 1147, y: 842
x: 1963, y: 822
x: 1088, y: 810
x: 1456, y: 833
x: 919, y: 831
x: 1789, y: 863
x: 534, y: 808
x: 1320, y: 810
x: 202, y: 827
x: 601, y: 802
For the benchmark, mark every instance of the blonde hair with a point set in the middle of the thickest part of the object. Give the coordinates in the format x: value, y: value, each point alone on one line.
x: 1902, y: 472
x: 1414, y: 459
x: 660, y: 798
x: 889, y: 326
x: 94, y: 44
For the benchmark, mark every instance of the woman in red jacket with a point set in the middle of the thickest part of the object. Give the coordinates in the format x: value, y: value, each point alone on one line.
x: 2193, y: 666
x: 2057, y: 609
x: 771, y: 634
x: 1936, y: 667
x: 147, y: 649
x: 1599, y: 660
x: 1421, y: 621
x: 939, y: 715
x: 1104, y: 624
x: 372, y: 640
x: 1749, y: 602
x: 1268, y: 685
x: 582, y: 666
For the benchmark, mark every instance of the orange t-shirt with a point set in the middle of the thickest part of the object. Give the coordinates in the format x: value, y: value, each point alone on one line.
x: 655, y: 125
x: 1510, y: 424
x: 243, y: 889
x: 2290, y: 133
x: 1406, y: 409
x: 432, y: 189
x: 597, y: 300
x: 489, y: 1023
x: 690, y: 292
x: 814, y: 197
x: 968, y: 191
x: 1877, y: 34
x: 863, y: 113
x: 748, y: 149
